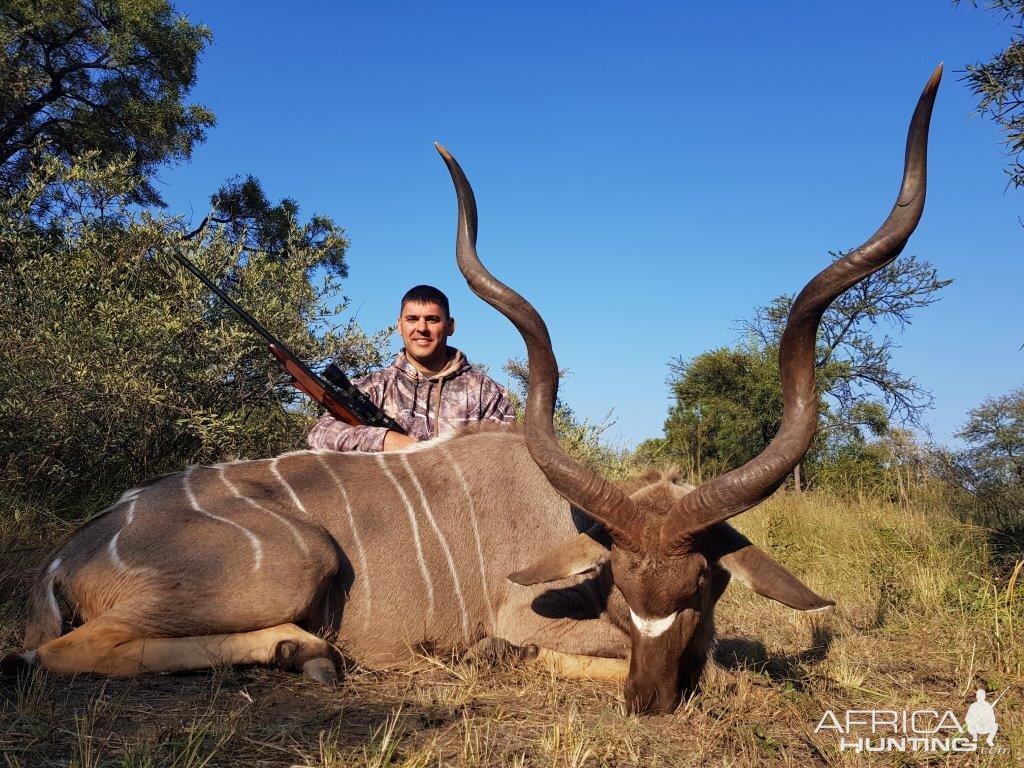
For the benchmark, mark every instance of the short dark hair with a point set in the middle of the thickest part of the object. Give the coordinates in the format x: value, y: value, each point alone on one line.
x: 426, y: 294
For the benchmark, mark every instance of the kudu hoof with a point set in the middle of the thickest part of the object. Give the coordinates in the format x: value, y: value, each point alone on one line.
x: 494, y: 650
x: 285, y: 654
x: 310, y: 660
x: 322, y: 670
x: 16, y: 663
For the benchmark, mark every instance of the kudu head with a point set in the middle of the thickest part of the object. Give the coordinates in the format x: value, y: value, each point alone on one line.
x: 665, y: 547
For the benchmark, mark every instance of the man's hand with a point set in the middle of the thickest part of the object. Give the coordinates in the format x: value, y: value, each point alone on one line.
x: 394, y: 441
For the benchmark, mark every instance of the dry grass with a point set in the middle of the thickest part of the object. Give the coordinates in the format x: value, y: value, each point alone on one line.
x: 922, y: 622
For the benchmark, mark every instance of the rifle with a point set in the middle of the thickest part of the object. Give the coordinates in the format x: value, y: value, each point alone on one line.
x: 342, y: 399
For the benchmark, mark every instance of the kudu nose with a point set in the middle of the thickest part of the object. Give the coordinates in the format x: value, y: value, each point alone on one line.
x: 649, y: 697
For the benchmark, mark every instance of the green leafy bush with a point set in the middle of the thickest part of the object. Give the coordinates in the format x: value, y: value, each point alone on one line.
x: 579, y: 437
x: 117, y: 364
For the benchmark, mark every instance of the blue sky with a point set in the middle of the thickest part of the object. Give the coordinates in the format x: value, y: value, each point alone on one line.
x: 646, y: 173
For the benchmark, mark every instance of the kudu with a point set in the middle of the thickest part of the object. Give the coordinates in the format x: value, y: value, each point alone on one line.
x: 446, y: 545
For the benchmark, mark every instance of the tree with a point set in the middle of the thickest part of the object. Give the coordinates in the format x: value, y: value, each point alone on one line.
x: 995, y: 432
x: 999, y: 84
x: 728, y: 407
x: 109, y: 76
x: 988, y: 476
x: 117, y: 364
x: 580, y: 437
x: 728, y: 401
x: 253, y: 224
x: 854, y: 362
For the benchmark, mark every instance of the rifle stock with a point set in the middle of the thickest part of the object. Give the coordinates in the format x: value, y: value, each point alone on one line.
x: 311, y: 384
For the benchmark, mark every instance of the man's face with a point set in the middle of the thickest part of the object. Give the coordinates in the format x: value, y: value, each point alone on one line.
x: 425, y: 329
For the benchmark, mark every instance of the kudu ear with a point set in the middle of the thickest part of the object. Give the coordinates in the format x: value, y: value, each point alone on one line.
x: 580, y: 554
x: 756, y: 569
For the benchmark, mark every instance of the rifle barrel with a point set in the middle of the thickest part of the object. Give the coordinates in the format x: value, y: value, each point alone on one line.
x: 252, y: 321
x: 359, y: 406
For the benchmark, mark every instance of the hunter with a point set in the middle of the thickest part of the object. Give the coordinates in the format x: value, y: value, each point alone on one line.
x: 430, y: 389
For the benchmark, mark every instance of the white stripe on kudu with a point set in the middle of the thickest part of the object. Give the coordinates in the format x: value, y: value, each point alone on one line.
x: 112, y: 546
x: 51, y: 599
x: 364, y: 568
x: 254, y: 540
x: 476, y: 530
x: 444, y: 545
x: 277, y: 473
x: 238, y: 495
x: 379, y: 457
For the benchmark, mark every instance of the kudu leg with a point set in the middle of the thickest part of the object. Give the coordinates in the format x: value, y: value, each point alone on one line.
x: 567, y: 645
x: 578, y: 667
x: 566, y: 665
x: 108, y: 647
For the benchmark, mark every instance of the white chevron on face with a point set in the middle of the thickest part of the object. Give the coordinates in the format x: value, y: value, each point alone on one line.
x: 652, y: 627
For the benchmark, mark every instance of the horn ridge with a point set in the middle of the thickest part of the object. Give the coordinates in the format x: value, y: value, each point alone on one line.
x: 720, y: 498
x: 602, y: 500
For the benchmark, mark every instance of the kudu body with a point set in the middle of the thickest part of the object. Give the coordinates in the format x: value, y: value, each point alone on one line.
x: 390, y: 553
x: 449, y: 545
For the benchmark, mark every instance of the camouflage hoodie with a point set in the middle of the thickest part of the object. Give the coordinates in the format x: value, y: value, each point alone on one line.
x: 425, y: 407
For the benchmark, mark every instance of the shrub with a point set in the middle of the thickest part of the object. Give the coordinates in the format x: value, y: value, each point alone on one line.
x: 117, y: 364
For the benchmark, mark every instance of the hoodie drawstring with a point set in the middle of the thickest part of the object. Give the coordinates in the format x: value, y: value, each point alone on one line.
x: 437, y: 410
